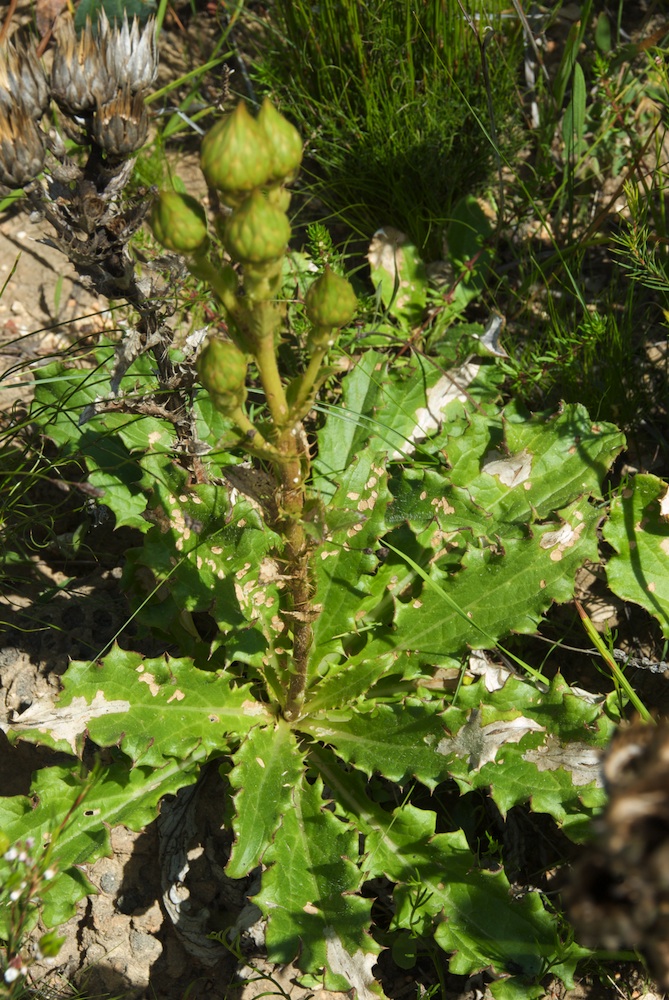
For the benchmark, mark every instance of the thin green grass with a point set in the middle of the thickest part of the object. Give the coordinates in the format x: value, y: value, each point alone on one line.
x: 392, y: 99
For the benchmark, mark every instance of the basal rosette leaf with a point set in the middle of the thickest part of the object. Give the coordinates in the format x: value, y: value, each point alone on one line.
x: 638, y: 529
x: 498, y: 589
x: 541, y: 463
x: 442, y: 891
x: 119, y: 795
x: 268, y: 766
x: 528, y: 744
x: 397, y: 741
x: 309, y: 897
x: 153, y: 709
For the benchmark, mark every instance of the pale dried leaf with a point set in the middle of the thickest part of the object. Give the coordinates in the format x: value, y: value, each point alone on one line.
x: 495, y: 675
x: 356, y: 969
x: 451, y: 386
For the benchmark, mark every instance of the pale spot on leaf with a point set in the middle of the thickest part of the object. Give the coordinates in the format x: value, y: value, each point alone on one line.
x: 510, y: 471
x: 582, y: 761
x: 67, y: 722
x: 664, y: 505
x: 479, y: 744
x: 151, y: 681
x: 356, y: 969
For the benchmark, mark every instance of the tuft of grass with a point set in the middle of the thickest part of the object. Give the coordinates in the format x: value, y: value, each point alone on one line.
x: 394, y: 100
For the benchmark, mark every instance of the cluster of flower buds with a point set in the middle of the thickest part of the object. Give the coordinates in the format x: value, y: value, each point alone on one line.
x: 250, y: 162
x: 99, y: 79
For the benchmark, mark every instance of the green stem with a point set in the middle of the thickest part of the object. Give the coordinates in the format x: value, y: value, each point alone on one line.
x: 202, y: 268
x: 268, y: 369
x: 306, y: 385
x: 254, y: 442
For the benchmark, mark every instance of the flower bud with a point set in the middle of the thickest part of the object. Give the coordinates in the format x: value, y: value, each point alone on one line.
x: 256, y: 232
x: 179, y: 222
x: 222, y: 369
x: 331, y: 301
x: 234, y: 155
x: 284, y: 141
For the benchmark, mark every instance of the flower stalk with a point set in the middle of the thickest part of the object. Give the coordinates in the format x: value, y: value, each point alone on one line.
x: 249, y: 162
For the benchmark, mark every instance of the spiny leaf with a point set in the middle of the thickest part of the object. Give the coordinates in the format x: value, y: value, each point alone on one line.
x: 152, y: 708
x: 267, y: 767
x: 638, y: 529
x: 398, y: 741
x: 308, y: 895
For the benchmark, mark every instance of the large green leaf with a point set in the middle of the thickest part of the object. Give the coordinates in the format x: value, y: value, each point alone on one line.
x: 497, y: 590
x: 308, y: 896
x: 79, y: 813
x: 398, y: 741
x: 152, y: 708
x: 267, y: 768
x: 441, y: 890
x: 638, y: 529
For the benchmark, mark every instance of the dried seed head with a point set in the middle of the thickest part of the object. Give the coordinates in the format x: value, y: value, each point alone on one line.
x: 120, y: 126
x: 21, y: 148
x: 131, y: 53
x: 22, y: 80
x: 80, y: 77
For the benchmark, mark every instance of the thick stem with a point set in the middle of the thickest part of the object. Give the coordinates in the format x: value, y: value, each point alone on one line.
x: 298, y: 615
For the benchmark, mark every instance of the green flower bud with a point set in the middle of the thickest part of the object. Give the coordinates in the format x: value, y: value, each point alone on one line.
x: 256, y: 232
x: 227, y: 402
x: 284, y: 141
x: 235, y: 155
x: 179, y: 222
x: 330, y: 302
x: 222, y: 370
